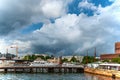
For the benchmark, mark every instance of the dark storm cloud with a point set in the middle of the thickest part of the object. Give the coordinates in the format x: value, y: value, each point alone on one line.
x: 16, y: 14
x: 70, y: 33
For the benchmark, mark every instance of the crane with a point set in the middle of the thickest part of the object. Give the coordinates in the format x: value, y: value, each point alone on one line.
x: 16, y: 47
x: 16, y: 50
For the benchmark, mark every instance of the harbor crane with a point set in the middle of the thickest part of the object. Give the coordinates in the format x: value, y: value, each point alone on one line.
x: 16, y: 47
x: 16, y: 50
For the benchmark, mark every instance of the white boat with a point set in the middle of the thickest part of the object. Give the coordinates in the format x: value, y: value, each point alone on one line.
x: 43, y: 63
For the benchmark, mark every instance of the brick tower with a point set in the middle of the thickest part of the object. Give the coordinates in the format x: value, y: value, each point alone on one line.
x: 117, y: 47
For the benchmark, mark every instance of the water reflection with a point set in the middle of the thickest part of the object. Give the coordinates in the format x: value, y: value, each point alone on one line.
x: 52, y: 76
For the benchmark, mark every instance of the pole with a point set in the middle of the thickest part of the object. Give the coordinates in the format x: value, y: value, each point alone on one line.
x: 17, y: 52
x: 7, y: 51
x: 95, y: 55
x: 87, y: 57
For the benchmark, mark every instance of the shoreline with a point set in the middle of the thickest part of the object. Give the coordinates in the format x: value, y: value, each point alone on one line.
x: 104, y: 72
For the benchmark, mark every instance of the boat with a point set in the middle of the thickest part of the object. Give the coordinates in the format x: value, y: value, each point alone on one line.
x: 43, y: 63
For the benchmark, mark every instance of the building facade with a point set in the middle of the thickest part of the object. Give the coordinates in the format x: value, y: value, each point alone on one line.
x: 111, y: 56
x: 117, y: 47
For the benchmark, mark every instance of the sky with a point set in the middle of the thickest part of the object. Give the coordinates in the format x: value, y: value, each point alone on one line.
x: 59, y: 27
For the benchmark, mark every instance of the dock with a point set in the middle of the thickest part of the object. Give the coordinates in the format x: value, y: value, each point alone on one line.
x: 42, y: 69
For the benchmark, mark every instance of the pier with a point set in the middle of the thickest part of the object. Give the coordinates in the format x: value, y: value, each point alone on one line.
x: 42, y: 69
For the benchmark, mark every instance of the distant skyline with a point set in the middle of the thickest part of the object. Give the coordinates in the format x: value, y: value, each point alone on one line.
x: 60, y: 27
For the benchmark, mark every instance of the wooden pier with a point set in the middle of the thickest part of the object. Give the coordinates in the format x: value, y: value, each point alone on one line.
x: 46, y: 69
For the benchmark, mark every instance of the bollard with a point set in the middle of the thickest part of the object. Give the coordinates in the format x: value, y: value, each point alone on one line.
x: 113, y: 76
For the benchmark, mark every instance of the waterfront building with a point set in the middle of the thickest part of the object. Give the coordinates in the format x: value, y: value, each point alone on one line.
x: 93, y: 65
x: 67, y: 57
x: 7, y: 56
x: 110, y: 66
x: 111, y: 56
x: 53, y: 60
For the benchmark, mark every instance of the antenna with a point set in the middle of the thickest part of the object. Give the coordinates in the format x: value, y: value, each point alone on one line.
x: 95, y: 55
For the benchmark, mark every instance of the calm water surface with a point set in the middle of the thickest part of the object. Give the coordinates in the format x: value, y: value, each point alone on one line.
x: 27, y: 76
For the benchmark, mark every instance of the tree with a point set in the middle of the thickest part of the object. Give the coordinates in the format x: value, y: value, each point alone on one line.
x: 27, y: 57
x: 106, y: 60
x: 33, y: 57
x: 73, y: 59
x: 88, y: 59
x: 116, y: 60
x: 64, y: 60
x: 47, y: 57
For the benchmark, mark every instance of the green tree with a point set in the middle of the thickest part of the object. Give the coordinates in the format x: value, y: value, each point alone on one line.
x: 73, y: 59
x: 27, y: 57
x: 116, y: 60
x: 106, y: 60
x: 33, y: 57
x: 64, y: 60
x: 47, y: 57
x: 88, y: 59
x: 42, y: 57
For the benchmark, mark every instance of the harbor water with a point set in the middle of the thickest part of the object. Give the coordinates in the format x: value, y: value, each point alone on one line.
x: 52, y: 76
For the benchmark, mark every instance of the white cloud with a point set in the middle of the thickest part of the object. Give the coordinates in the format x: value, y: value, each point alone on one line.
x: 111, y: 0
x: 53, y: 9
x: 82, y: 32
x: 3, y: 46
x: 75, y: 33
x: 17, y: 14
x: 64, y: 28
x: 85, y: 4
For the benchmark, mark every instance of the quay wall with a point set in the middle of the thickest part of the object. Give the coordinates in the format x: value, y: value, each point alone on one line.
x: 104, y: 72
x: 43, y: 69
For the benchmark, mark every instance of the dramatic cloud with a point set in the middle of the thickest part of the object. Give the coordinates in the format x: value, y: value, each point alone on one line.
x: 75, y: 34
x: 68, y: 34
x: 17, y: 14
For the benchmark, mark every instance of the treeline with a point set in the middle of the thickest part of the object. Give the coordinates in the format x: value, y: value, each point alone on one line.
x: 73, y: 59
x: 114, y: 60
x: 86, y: 59
x: 33, y: 57
x: 89, y: 59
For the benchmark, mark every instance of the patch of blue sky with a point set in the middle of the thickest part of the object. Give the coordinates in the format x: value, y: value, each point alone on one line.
x: 52, y: 20
x: 31, y: 28
x: 103, y: 3
x: 74, y: 9
x: 88, y: 12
